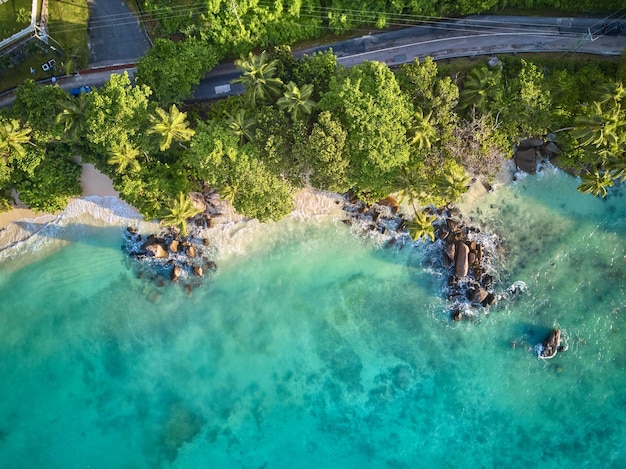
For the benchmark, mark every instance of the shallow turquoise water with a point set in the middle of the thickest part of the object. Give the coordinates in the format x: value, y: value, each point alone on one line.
x: 317, y: 349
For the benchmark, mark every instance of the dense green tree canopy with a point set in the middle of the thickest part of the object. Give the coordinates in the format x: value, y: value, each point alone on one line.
x: 367, y: 100
x: 172, y: 70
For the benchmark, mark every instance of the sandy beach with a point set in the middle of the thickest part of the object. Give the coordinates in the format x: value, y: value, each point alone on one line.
x: 92, y: 181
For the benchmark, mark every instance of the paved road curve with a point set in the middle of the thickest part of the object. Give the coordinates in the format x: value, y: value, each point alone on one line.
x: 468, y: 37
x: 115, y: 35
x: 473, y: 36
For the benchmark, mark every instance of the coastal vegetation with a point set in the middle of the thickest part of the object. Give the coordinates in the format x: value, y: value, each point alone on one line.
x: 420, y: 132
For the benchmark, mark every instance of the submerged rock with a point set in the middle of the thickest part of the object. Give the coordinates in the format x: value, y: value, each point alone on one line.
x: 156, y: 250
x: 177, y: 271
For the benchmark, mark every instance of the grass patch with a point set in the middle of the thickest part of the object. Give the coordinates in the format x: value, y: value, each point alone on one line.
x: 14, y: 16
x: 67, y: 25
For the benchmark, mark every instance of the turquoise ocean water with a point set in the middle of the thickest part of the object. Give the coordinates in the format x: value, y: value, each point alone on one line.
x: 315, y: 348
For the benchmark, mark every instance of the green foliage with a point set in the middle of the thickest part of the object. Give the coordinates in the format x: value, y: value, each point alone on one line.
x: 72, y: 116
x: 52, y: 183
x: 242, y: 126
x: 482, y: 89
x: 172, y: 70
x: 297, y: 101
x: 368, y: 102
x: 255, y: 191
x: 216, y: 159
x: 179, y: 211
x: 274, y: 139
x: 124, y: 158
x: 452, y: 183
x: 323, y: 155
x: 117, y: 113
x: 259, y: 78
x: 38, y: 105
x: 170, y: 126
x: 421, y: 226
x: 595, y: 183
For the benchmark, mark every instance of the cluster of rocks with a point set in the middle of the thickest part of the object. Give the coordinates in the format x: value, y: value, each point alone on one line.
x: 169, y: 256
x: 533, y: 150
x: 466, y: 260
x: 382, y: 217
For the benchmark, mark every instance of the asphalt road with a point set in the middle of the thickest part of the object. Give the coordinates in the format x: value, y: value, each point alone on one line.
x: 115, y: 35
x: 467, y: 37
x: 470, y: 37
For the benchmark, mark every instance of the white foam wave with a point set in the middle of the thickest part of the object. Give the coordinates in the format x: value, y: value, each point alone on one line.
x: 44, y: 233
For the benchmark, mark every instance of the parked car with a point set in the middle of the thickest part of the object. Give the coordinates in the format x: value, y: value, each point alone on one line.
x: 80, y: 90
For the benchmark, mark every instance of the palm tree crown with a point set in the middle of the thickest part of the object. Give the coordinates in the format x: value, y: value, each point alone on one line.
x: 170, y: 126
x: 125, y: 157
x: 73, y: 115
x: 297, y: 101
x: 242, y: 126
x: 423, y: 131
x: 421, y: 227
x: 13, y: 137
x: 595, y: 183
x: 259, y: 77
x: 180, y: 210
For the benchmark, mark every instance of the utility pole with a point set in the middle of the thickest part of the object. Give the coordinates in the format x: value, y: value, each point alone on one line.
x: 237, y: 14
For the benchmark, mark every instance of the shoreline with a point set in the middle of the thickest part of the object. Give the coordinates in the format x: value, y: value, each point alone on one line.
x: 21, y: 223
x: 93, y: 182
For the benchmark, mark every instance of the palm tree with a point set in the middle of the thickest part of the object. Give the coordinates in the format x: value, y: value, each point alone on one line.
x: 242, y: 126
x: 610, y: 92
x: 595, y: 183
x: 600, y: 128
x: 170, y: 126
x: 125, y: 156
x: 481, y: 87
x: 410, y: 185
x: 13, y: 137
x: 617, y: 166
x: 259, y: 77
x: 179, y: 211
x: 452, y: 183
x: 73, y: 115
x: 421, y: 227
x: 297, y: 101
x: 228, y: 192
x: 423, y: 131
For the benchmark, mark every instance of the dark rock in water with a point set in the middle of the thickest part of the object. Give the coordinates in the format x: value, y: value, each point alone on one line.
x: 391, y: 242
x: 457, y: 315
x: 177, y: 271
x: 487, y: 282
x: 478, y: 295
x: 471, y: 258
x: 551, y: 344
x: 132, y: 231
x: 210, y: 265
x: 156, y: 250
x: 197, y: 271
x: 526, y: 160
x: 451, y: 251
x: 462, y: 266
x: 453, y: 225
x: 191, y: 252
x: 205, y: 241
x: 489, y: 300
x: 173, y: 247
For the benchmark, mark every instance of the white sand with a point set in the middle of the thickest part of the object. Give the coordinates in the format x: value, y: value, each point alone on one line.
x: 92, y: 181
